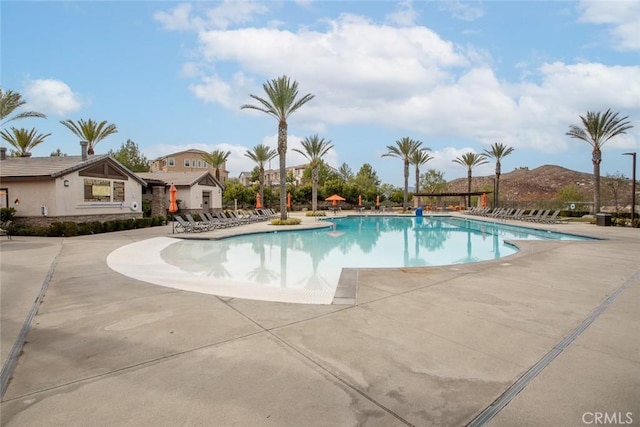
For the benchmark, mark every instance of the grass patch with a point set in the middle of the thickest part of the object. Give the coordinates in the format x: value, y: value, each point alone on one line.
x: 288, y: 221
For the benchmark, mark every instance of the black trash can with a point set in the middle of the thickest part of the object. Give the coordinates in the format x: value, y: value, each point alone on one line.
x: 603, y: 219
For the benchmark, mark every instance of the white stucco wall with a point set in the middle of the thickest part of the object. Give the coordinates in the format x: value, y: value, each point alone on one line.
x: 61, y: 200
x: 191, y: 198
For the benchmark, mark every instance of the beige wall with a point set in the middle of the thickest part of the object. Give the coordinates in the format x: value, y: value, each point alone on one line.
x: 191, y: 198
x: 61, y: 200
x: 162, y: 164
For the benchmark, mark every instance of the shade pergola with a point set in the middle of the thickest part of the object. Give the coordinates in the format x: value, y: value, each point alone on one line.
x: 462, y: 195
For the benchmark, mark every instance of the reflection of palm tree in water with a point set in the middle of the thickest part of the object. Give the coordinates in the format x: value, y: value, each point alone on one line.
x: 469, y: 255
x: 432, y: 235
x: 262, y: 273
x: 318, y: 244
x: 193, y: 257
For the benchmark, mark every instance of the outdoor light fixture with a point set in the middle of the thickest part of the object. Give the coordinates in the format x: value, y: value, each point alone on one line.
x: 633, y: 188
x: 66, y: 182
x: 16, y: 202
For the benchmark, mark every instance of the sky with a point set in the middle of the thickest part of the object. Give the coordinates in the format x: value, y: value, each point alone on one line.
x: 456, y: 75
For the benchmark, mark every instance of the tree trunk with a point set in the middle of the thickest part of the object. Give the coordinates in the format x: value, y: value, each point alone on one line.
x: 596, y: 159
x: 262, y: 183
x: 406, y: 185
x: 468, y: 189
x: 314, y: 189
x: 417, y: 189
x: 496, y: 190
x: 282, y: 154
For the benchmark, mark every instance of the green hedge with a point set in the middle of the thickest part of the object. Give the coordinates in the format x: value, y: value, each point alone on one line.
x: 70, y: 229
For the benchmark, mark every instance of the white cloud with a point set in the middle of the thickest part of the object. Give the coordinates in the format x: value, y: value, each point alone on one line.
x: 213, y: 90
x: 405, y: 15
x: 50, y: 96
x: 623, y: 18
x: 409, y: 78
x: 225, y: 14
x: 466, y: 11
x: 179, y: 18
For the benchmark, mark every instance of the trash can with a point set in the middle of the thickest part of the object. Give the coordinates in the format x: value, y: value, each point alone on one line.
x: 603, y: 219
x: 418, y: 211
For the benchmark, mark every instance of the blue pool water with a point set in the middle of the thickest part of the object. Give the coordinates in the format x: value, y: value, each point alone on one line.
x: 311, y: 260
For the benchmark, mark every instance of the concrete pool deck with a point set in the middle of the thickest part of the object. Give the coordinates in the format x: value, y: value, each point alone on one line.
x: 420, y: 346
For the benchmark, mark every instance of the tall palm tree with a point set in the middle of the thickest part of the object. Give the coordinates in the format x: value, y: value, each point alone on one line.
x: 470, y: 160
x: 498, y: 151
x: 90, y: 131
x: 404, y: 150
x: 282, y: 101
x: 23, y: 140
x: 261, y: 154
x: 11, y: 101
x: 598, y: 129
x: 217, y: 159
x: 315, y: 148
x: 419, y: 158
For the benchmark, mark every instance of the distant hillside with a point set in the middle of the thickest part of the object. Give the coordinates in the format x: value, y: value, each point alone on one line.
x: 525, y: 185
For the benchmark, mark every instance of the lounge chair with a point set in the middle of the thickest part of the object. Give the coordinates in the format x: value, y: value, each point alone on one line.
x: 199, y: 225
x: 550, y: 219
x: 215, y: 222
x: 185, y: 226
x: 536, y: 218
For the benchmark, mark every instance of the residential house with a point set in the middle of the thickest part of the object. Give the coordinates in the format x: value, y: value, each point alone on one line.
x: 198, y: 191
x: 272, y: 176
x: 82, y: 188
x: 187, y: 161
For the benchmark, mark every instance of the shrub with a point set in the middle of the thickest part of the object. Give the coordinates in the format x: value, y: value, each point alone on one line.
x: 288, y: 221
x: 316, y: 213
x: 7, y: 214
x: 62, y: 229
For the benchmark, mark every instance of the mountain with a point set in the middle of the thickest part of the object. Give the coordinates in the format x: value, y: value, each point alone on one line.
x: 530, y: 185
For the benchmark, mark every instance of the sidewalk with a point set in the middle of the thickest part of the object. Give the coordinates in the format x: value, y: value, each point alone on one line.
x: 421, y: 346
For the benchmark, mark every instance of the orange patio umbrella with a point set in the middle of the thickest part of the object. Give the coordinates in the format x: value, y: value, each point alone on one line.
x: 360, y: 200
x: 483, y: 200
x: 173, y: 202
x: 334, y: 199
x: 377, y: 201
x: 258, y: 201
x: 289, y: 200
x: 173, y: 199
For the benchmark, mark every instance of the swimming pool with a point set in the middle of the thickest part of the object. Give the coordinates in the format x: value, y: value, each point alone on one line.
x: 305, y: 265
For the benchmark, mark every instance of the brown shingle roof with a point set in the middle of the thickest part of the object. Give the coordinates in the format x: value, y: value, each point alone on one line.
x: 177, y: 178
x: 54, y: 166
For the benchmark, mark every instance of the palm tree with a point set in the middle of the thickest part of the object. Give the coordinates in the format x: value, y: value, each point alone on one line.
x: 23, y: 140
x: 261, y: 154
x: 598, y: 129
x: 470, y: 160
x: 217, y: 159
x: 404, y: 150
x: 90, y: 131
x: 11, y: 101
x: 282, y: 101
x: 419, y: 158
x: 498, y: 151
x: 315, y: 148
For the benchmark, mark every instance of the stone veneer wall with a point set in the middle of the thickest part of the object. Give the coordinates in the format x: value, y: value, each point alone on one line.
x: 43, y: 221
x: 158, y: 207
